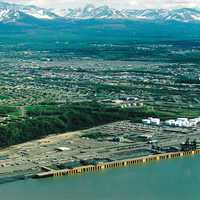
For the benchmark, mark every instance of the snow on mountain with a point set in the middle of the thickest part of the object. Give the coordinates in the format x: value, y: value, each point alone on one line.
x: 14, y: 12
x: 8, y: 15
x: 39, y: 13
x: 90, y: 11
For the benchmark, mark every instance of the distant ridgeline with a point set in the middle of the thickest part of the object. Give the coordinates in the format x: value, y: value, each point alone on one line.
x: 102, y: 23
x: 101, y: 30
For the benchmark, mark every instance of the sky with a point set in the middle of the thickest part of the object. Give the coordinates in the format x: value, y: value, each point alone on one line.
x: 136, y: 4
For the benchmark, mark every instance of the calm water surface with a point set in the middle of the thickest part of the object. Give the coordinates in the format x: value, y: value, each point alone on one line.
x: 167, y: 180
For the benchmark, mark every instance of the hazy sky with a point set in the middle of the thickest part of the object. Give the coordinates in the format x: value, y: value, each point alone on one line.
x: 113, y: 3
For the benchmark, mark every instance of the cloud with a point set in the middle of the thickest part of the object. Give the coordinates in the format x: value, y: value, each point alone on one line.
x: 114, y: 3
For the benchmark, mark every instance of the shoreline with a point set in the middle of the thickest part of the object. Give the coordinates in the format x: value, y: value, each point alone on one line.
x: 31, y: 174
x: 16, y: 176
x: 117, y: 164
x: 60, y: 151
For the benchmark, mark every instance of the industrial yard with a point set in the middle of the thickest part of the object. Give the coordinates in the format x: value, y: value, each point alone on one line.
x: 114, y: 141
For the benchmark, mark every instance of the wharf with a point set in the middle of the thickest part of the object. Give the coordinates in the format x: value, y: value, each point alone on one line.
x: 116, y: 164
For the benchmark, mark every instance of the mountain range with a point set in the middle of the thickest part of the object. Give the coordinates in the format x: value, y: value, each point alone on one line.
x: 12, y: 13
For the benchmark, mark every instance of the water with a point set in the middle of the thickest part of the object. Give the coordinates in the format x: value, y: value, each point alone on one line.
x: 167, y: 180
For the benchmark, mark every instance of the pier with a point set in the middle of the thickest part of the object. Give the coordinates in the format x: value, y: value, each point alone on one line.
x: 116, y: 164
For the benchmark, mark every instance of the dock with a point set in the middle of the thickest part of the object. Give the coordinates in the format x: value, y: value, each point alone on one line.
x: 116, y: 164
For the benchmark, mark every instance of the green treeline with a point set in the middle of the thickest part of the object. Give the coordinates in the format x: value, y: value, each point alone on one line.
x: 4, y: 110
x: 43, y: 120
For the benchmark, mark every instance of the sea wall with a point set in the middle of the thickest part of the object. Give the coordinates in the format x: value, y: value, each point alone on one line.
x: 116, y: 164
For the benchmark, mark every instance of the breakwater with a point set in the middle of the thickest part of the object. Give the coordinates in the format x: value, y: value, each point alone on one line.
x: 116, y: 164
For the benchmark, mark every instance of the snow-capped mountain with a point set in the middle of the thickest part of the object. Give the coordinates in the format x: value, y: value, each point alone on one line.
x: 182, y: 15
x: 90, y: 11
x: 14, y: 12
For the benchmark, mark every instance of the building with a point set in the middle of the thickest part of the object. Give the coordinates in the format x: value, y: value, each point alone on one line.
x: 170, y: 122
x: 63, y: 149
x: 146, y: 136
x: 151, y: 121
x: 183, y: 122
x: 146, y: 121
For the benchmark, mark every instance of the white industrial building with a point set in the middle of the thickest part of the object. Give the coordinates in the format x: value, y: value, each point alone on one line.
x: 179, y: 122
x: 62, y: 149
x: 151, y: 121
x: 183, y: 122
